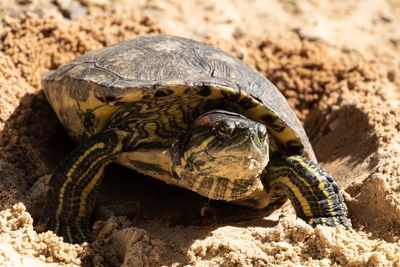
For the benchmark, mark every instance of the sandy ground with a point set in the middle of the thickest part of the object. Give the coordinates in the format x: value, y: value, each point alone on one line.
x: 337, y: 62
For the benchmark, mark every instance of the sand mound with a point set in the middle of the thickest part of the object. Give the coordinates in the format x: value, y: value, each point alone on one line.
x: 21, y: 245
x: 348, y: 104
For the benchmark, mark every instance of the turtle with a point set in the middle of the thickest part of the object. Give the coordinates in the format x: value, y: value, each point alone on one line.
x: 188, y: 114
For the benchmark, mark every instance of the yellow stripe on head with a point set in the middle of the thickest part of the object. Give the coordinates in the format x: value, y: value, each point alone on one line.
x: 200, y: 147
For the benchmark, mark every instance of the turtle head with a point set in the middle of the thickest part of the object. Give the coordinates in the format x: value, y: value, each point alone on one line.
x: 225, y: 147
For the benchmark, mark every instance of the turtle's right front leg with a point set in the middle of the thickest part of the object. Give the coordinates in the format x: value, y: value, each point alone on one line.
x: 313, y: 192
x: 74, y: 186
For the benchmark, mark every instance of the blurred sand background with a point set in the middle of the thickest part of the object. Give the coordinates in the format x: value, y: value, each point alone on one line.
x: 338, y: 64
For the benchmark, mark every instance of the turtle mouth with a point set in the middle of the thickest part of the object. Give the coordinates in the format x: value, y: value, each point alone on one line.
x: 232, y: 165
x: 223, y: 178
x: 258, y: 149
x: 235, y: 167
x: 250, y: 149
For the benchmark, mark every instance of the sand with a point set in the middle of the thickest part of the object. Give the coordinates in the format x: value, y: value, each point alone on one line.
x: 336, y: 62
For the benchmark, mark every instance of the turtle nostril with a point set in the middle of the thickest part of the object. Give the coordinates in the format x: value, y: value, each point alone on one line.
x: 225, y: 128
x: 262, y: 132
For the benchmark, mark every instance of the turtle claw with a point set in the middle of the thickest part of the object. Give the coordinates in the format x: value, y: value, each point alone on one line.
x: 331, y: 221
x: 70, y: 232
x: 73, y: 234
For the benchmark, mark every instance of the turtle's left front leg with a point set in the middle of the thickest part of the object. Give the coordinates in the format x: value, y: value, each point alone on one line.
x: 313, y: 192
x: 74, y: 186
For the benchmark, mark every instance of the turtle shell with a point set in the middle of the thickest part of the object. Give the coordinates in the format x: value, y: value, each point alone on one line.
x: 85, y: 92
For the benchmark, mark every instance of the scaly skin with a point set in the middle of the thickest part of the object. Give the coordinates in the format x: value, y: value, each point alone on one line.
x: 74, y: 185
x: 313, y: 192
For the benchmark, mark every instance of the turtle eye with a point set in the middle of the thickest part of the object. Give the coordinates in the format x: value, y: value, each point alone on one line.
x: 224, y: 128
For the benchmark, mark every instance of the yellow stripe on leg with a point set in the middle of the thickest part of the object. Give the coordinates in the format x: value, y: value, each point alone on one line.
x: 306, y: 185
x: 321, y: 185
x: 89, y: 188
x: 69, y: 180
x: 310, y: 187
x: 297, y: 192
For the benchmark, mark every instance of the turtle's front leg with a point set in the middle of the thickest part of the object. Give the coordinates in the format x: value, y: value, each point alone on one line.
x: 75, y: 183
x: 313, y: 192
